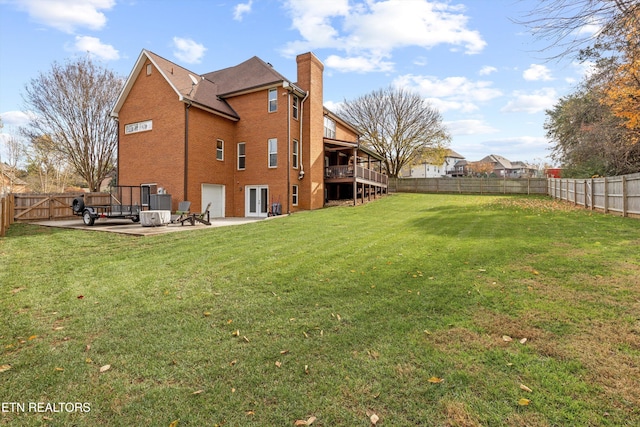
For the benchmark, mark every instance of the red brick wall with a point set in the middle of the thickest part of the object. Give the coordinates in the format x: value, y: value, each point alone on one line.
x: 154, y: 156
x: 157, y: 156
x: 310, y: 79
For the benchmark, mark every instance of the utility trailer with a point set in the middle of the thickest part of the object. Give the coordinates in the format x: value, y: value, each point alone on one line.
x: 123, y: 201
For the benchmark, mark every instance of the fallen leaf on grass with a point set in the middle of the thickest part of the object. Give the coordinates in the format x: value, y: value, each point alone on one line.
x: 233, y: 362
x: 105, y: 368
x: 4, y: 368
x: 250, y: 413
x: 245, y: 339
x: 197, y: 392
x: 525, y: 388
x: 32, y: 337
x: 16, y: 290
x: 523, y: 340
x: 306, y: 422
x: 284, y: 352
x: 174, y: 423
x: 59, y: 369
x: 80, y: 296
x: 206, y: 314
x: 278, y: 364
x: 236, y: 333
x: 507, y: 338
x: 435, y: 380
x: 523, y: 402
x: 373, y: 417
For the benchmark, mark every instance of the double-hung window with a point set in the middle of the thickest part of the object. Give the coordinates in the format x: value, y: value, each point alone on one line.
x: 273, y: 152
x: 294, y: 154
x: 294, y: 195
x: 329, y: 128
x: 273, y: 100
x: 219, y: 149
x: 294, y: 107
x: 242, y: 158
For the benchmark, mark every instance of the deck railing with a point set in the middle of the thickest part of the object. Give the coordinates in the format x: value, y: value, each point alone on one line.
x: 347, y: 171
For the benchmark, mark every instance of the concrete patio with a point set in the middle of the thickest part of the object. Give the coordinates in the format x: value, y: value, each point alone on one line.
x: 126, y: 226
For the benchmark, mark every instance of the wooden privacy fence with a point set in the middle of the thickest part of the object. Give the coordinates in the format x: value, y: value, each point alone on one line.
x: 6, y: 213
x: 618, y: 194
x: 469, y: 185
x: 42, y: 207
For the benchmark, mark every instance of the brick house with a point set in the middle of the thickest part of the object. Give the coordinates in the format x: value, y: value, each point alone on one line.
x: 242, y: 138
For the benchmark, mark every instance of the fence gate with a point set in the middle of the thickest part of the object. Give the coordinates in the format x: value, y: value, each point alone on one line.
x: 41, y: 207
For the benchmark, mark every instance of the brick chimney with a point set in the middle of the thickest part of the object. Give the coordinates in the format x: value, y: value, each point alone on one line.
x: 310, y: 70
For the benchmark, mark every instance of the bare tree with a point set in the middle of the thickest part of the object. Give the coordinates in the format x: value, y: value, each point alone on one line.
x: 581, y: 27
x: 71, y: 105
x: 47, y: 168
x: 398, y: 124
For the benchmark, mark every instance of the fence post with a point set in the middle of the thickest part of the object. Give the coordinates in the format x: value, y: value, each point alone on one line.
x: 593, y: 195
x: 624, y: 195
x: 606, y: 195
x: 2, y: 215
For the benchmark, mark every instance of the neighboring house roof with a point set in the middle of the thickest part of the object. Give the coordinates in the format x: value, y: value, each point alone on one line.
x: 499, y: 161
x: 453, y: 154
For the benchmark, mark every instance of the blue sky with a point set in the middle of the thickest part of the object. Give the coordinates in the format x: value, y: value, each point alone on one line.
x: 483, y: 72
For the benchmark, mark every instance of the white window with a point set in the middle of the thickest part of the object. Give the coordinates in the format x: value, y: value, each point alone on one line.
x: 295, y: 107
x: 219, y: 149
x: 149, y: 68
x: 273, y: 100
x: 294, y: 195
x: 294, y: 154
x: 273, y: 152
x: 242, y: 158
x: 329, y: 128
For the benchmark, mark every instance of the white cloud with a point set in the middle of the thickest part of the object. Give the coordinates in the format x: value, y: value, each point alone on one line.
x: 333, y: 106
x: 537, y: 72
x: 242, y: 9
x: 373, y: 29
x: 469, y: 127
x: 585, y: 69
x: 15, y: 119
x: 451, y: 93
x: 531, y: 103
x: 94, y: 46
x: 486, y: 70
x: 187, y: 50
x: 358, y: 64
x: 67, y: 15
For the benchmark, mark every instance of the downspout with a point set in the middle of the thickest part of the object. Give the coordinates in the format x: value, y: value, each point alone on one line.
x: 288, y: 152
x: 186, y: 148
x: 301, y: 175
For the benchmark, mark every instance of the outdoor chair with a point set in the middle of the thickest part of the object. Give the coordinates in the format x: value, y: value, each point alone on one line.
x: 181, y: 213
x: 201, y: 217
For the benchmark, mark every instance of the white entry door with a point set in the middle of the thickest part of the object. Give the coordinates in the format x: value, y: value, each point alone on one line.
x: 214, y: 194
x: 257, y: 201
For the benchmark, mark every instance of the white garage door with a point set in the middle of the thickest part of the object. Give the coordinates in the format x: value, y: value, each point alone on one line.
x: 214, y: 194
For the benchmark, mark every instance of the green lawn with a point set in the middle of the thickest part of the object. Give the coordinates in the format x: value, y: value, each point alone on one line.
x: 434, y: 310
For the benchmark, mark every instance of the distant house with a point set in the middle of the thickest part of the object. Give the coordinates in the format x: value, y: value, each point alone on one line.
x: 429, y: 168
x: 242, y: 138
x: 9, y: 182
x: 504, y: 168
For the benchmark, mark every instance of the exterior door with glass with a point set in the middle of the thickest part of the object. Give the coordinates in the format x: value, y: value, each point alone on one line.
x: 257, y: 201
